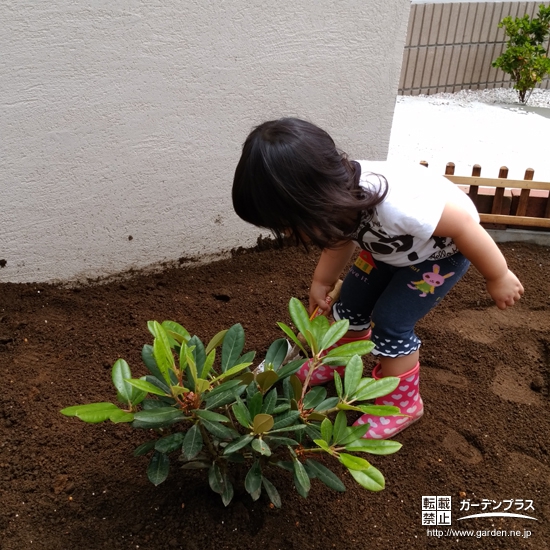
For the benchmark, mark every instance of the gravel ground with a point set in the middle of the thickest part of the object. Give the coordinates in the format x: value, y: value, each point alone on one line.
x: 504, y: 96
x: 486, y: 127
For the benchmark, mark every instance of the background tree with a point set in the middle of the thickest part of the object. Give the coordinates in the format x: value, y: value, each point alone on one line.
x: 525, y: 58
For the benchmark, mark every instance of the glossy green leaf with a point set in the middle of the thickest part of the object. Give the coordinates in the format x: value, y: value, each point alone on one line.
x: 227, y: 489
x: 158, y: 383
x: 301, y: 476
x: 336, y: 331
x: 338, y: 384
x: 353, y: 433
x: 94, y: 413
x: 149, y: 360
x: 120, y: 372
x: 260, y: 446
x: 210, y: 415
x: 339, y: 428
x: 275, y: 441
x: 246, y: 378
x: 323, y: 444
x: 326, y: 430
x: 314, y: 397
x: 299, y: 316
x: 170, y: 443
x: 380, y: 410
x: 276, y: 353
x: 215, y: 479
x: 329, y: 478
x: 296, y: 387
x: 242, y: 413
x: 311, y: 341
x: 238, y: 444
x: 285, y: 419
x: 233, y: 371
x: 232, y: 347
x: 262, y: 423
x: 255, y: 404
x: 175, y: 332
x: 199, y: 353
x: 216, y: 341
x: 371, y: 478
x: 208, y: 364
x: 164, y: 359
x: 253, y: 480
x: 281, y: 407
x: 291, y: 428
x: 145, y: 386
x: 188, y: 353
x: 371, y: 389
x: 158, y: 468
x: 192, y: 442
x: 327, y: 404
x: 272, y: 492
x: 157, y: 418
x: 288, y: 331
x: 352, y: 375
x: 149, y: 404
x: 269, y: 402
x: 247, y: 357
x: 374, y: 446
x: 218, y: 430
x: 201, y: 385
x: 144, y: 448
x: 353, y: 462
x: 223, y: 398
x: 290, y: 368
x: 225, y: 386
x: 319, y: 327
x: 119, y: 417
x: 266, y: 379
x: 359, y: 347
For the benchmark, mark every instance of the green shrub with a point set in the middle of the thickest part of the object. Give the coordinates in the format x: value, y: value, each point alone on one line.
x: 217, y: 415
x: 525, y: 58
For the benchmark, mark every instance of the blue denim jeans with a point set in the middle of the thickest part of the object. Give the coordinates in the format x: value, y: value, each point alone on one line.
x: 391, y: 300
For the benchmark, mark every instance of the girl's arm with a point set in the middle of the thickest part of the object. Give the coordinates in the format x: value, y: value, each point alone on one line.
x: 330, y: 266
x: 478, y: 246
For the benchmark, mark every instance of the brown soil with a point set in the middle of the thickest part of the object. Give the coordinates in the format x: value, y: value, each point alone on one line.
x: 68, y: 485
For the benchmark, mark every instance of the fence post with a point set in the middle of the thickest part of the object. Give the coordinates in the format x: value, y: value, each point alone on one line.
x: 474, y: 189
x: 450, y: 169
x: 524, y: 195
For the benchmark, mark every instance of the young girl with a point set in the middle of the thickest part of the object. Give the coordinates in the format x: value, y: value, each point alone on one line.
x: 417, y: 232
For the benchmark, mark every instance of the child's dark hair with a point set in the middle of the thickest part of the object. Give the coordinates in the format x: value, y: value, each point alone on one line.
x: 291, y: 177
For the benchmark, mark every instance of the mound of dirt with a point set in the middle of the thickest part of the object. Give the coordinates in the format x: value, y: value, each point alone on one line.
x: 483, y: 441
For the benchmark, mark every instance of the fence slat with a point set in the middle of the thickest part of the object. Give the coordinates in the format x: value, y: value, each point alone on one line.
x: 490, y: 194
x: 524, y: 196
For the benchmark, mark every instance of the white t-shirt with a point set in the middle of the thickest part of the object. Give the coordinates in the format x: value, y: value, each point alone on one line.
x: 399, y: 230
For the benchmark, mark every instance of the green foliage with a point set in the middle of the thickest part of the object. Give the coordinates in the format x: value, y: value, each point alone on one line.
x: 525, y: 58
x: 216, y: 413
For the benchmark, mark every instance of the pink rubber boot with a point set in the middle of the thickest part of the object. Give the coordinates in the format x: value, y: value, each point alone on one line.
x: 406, y: 397
x: 325, y: 373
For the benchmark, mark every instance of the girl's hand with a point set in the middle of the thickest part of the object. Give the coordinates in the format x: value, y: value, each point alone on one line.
x: 317, y: 296
x: 505, y: 290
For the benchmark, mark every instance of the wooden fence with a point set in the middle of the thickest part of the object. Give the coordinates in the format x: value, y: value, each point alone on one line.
x: 503, y: 203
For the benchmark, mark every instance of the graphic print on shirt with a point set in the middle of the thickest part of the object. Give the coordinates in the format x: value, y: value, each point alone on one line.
x: 430, y: 281
x: 383, y: 244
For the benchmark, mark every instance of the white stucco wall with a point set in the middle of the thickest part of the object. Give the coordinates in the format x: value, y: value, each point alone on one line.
x: 121, y: 122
